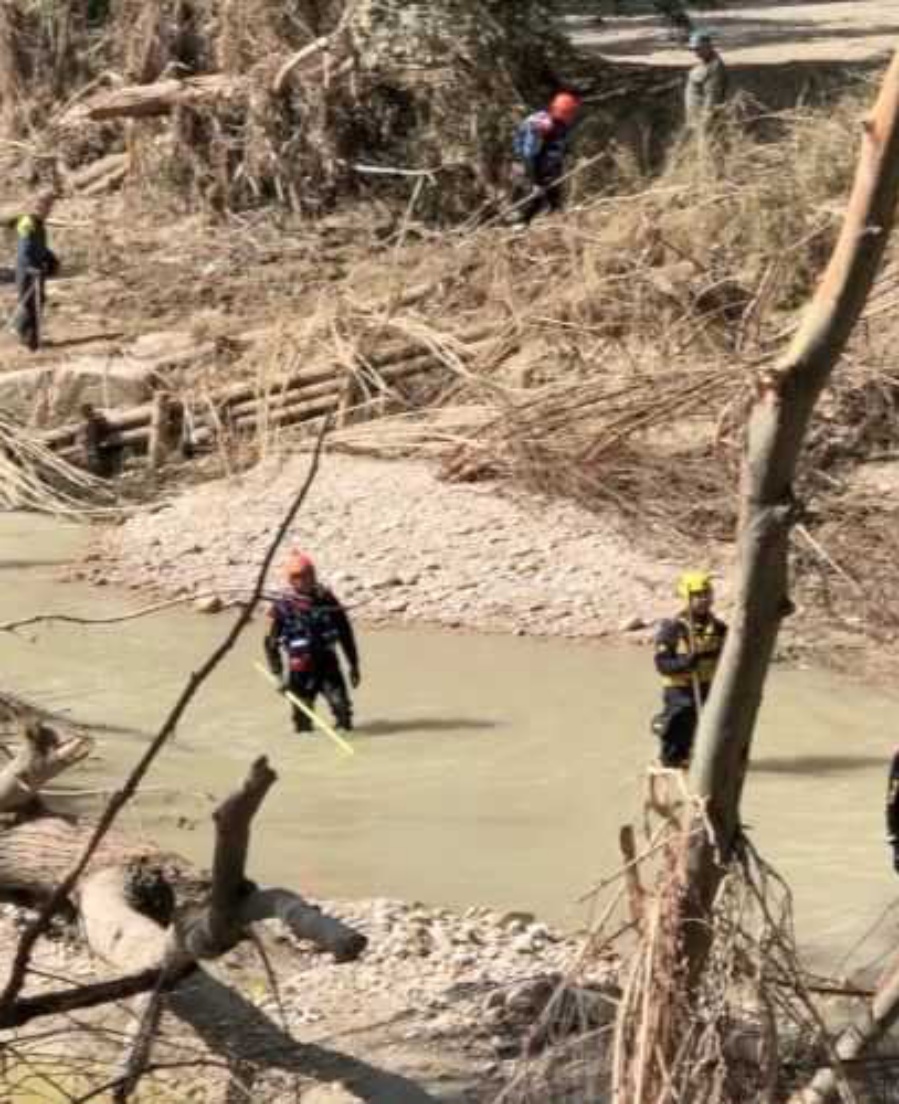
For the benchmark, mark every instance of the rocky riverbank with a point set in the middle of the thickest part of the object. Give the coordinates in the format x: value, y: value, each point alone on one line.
x: 438, y: 1009
x: 399, y: 546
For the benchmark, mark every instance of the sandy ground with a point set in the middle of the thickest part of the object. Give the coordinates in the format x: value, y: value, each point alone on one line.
x: 758, y: 34
x: 398, y: 545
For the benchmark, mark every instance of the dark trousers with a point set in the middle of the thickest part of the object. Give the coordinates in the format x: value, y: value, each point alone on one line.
x: 675, y: 727
x: 325, y: 677
x: 30, y: 287
x: 547, y: 193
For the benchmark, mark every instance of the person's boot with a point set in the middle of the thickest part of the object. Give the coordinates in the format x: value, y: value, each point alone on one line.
x: 301, y: 723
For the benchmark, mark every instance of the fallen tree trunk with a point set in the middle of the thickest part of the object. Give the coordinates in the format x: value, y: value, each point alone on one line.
x: 126, y: 901
x: 148, y: 101
x: 855, y: 1040
x: 286, y: 402
x: 103, y: 173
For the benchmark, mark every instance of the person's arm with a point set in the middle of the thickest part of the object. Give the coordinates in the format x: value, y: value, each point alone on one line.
x: 667, y: 658
x: 532, y: 150
x: 346, y: 637
x: 272, y: 644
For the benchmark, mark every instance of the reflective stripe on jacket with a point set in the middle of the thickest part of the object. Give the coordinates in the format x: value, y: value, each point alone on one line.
x: 673, y: 650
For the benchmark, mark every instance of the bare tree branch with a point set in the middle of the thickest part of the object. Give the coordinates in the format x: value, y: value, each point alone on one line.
x: 778, y: 425
x: 43, y: 755
x: 144, y: 611
x: 87, y: 996
x: 117, y: 802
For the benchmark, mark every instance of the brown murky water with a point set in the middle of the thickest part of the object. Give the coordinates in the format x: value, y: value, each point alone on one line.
x: 488, y: 770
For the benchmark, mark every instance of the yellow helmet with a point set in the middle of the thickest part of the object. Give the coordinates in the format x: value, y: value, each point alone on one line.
x: 692, y: 583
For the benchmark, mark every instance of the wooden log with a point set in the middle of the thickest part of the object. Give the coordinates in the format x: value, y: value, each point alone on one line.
x: 133, y: 425
x: 301, y: 405
x: 43, y: 754
x: 147, y: 101
x: 333, y: 385
x: 123, y: 929
x: 107, y: 183
x: 97, y: 171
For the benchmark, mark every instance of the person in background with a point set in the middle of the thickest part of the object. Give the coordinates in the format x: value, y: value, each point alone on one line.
x: 541, y: 146
x: 687, y: 650
x: 707, y: 83
x: 101, y: 450
x: 307, y: 625
x: 35, y: 264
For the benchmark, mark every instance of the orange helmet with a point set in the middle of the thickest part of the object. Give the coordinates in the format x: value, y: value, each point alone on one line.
x: 298, y: 563
x: 564, y: 107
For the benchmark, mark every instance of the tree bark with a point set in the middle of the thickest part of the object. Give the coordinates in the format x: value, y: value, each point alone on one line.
x: 147, y: 101
x: 777, y: 429
x: 855, y: 1040
x: 43, y: 755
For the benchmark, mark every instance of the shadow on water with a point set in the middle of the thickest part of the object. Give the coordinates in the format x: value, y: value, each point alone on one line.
x: 425, y: 724
x: 818, y: 764
x: 29, y: 565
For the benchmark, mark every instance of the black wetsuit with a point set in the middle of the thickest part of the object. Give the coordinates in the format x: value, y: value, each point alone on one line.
x: 35, y: 263
x: 307, y: 629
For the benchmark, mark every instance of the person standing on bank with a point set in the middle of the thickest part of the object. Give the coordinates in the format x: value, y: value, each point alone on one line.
x: 707, y: 85
x: 687, y: 650
x: 35, y: 264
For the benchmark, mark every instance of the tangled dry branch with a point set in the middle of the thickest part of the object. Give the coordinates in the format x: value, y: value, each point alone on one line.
x: 621, y: 1026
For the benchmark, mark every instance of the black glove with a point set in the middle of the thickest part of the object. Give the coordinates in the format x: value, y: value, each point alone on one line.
x: 355, y: 677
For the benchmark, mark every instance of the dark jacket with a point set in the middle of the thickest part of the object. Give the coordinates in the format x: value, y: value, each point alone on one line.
x: 677, y: 660
x: 541, y: 144
x: 33, y: 255
x: 306, y: 626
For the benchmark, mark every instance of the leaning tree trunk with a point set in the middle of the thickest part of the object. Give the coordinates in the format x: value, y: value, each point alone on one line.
x: 779, y: 421
x: 656, y: 1033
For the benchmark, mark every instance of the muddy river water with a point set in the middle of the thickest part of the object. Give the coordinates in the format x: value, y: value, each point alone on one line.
x: 488, y: 770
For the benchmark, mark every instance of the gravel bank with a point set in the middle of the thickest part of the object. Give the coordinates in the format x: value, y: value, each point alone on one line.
x: 437, y: 1011
x: 399, y: 546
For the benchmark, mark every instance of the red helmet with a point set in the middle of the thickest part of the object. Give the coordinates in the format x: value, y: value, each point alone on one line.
x: 298, y: 563
x: 564, y: 107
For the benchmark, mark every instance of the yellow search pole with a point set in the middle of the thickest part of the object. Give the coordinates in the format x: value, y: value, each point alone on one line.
x: 323, y: 726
